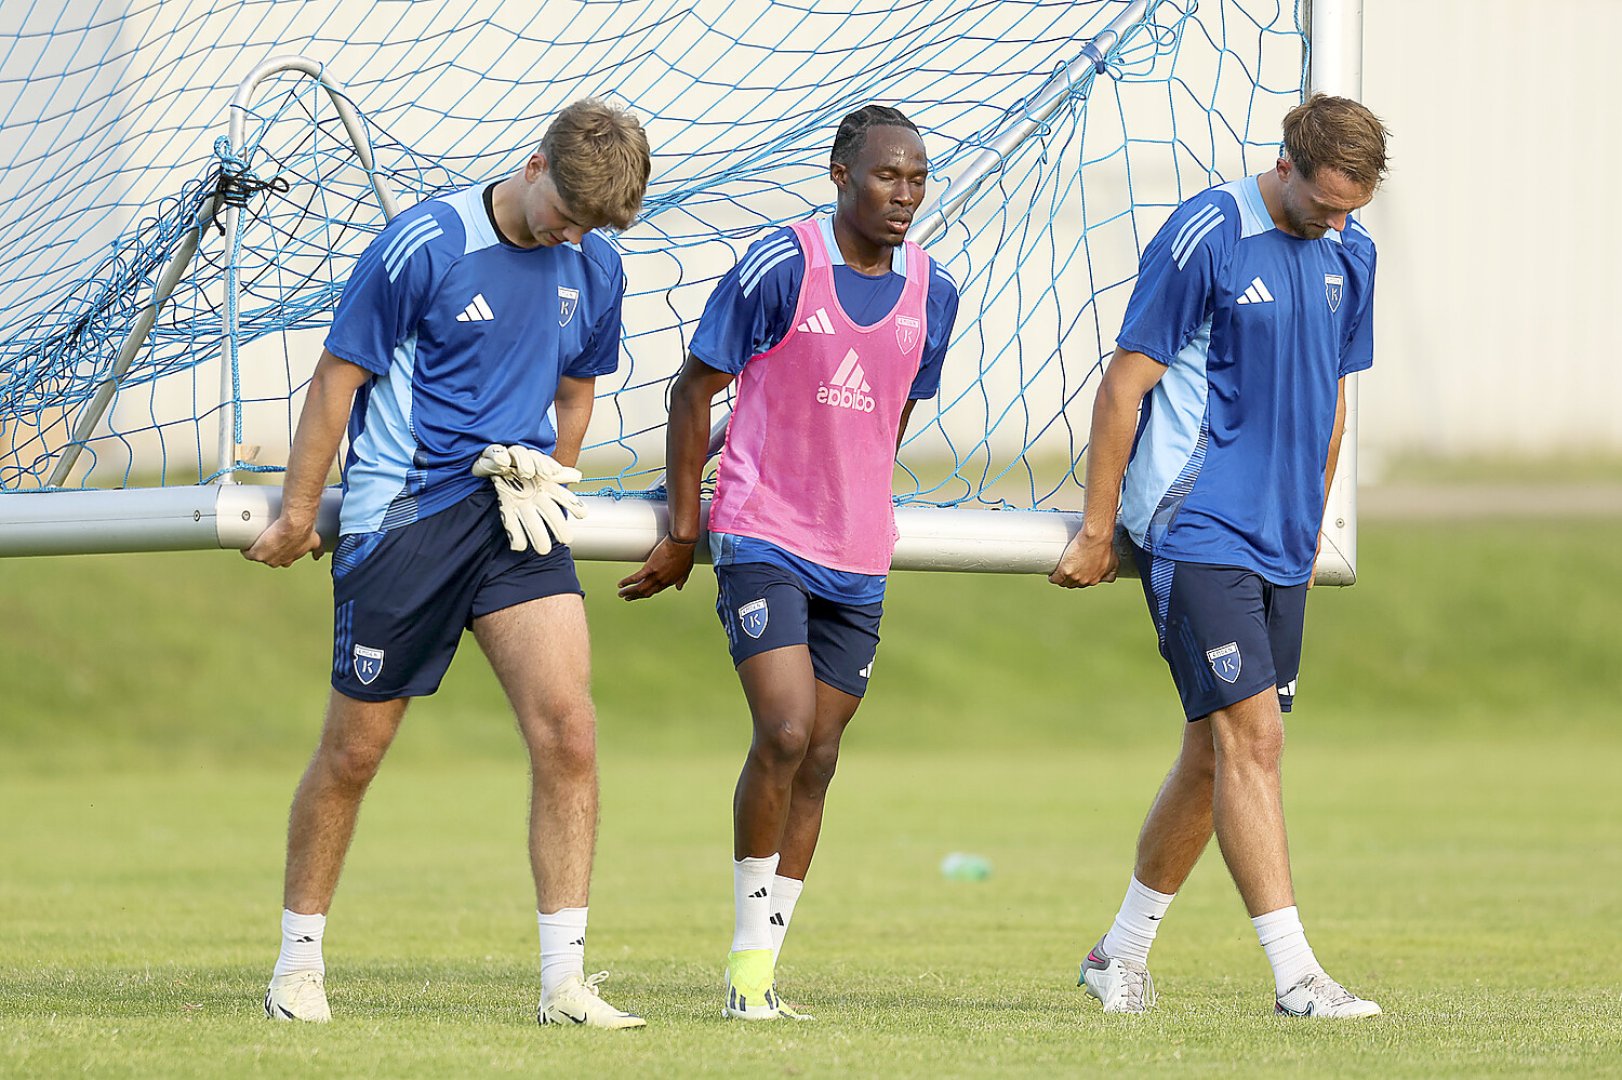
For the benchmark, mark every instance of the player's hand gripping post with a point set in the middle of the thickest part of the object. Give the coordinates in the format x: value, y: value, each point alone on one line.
x: 530, y: 487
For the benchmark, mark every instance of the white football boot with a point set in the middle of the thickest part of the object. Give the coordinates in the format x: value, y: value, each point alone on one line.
x: 1124, y: 986
x: 1318, y: 995
x: 577, y: 1001
x: 298, y: 995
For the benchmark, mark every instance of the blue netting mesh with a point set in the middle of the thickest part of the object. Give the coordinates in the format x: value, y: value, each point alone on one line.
x: 111, y: 125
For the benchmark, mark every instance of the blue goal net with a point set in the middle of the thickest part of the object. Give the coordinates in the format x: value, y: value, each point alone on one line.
x: 1060, y: 134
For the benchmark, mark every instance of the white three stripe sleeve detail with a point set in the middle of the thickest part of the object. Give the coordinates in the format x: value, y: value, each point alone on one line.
x: 418, y: 242
x: 749, y: 280
x: 1191, y: 226
x: 1194, y: 241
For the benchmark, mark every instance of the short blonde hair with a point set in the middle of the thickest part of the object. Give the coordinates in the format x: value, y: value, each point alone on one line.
x: 1337, y: 133
x: 599, y: 160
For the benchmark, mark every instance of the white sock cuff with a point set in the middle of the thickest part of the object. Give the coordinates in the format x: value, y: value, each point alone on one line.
x: 296, y: 925
x: 1143, y: 892
x: 786, y: 890
x: 1277, y: 924
x: 766, y: 865
x: 564, y: 918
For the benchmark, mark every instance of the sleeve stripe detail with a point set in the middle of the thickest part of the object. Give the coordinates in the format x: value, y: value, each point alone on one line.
x: 404, y: 238
x: 754, y: 258
x: 750, y: 280
x: 401, y: 250
x: 941, y: 273
x: 1194, y: 242
x: 1354, y: 225
x: 1193, y: 230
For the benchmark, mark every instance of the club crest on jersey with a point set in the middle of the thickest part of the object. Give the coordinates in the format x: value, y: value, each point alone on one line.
x: 752, y: 617
x: 1226, y: 661
x: 368, y: 664
x: 568, y: 300
x: 906, y: 332
x: 1333, y: 286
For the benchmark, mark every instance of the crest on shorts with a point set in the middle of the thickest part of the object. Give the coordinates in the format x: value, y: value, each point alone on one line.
x: 1226, y: 661
x: 752, y: 617
x: 906, y: 332
x: 568, y: 300
x: 368, y: 664
x: 1333, y: 286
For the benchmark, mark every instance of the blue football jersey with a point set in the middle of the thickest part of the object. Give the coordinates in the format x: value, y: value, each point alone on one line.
x: 751, y: 309
x: 1256, y: 328
x: 466, y: 336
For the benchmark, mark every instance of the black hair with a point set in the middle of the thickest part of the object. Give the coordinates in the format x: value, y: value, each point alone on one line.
x: 852, y: 135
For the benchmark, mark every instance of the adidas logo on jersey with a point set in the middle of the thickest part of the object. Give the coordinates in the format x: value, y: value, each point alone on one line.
x: 477, y: 310
x: 1256, y: 294
x: 817, y: 324
x: 849, y: 388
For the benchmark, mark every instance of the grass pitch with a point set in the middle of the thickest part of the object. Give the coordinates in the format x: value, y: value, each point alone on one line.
x: 1451, y: 787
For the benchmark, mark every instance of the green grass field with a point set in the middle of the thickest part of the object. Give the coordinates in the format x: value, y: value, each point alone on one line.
x: 1452, y: 786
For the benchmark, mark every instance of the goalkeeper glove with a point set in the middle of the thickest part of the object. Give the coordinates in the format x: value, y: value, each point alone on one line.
x: 535, y: 505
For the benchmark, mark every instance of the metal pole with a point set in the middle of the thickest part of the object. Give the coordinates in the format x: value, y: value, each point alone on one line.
x: 276, y: 65
x: 133, y: 341
x: 1335, y: 37
x: 1047, y: 101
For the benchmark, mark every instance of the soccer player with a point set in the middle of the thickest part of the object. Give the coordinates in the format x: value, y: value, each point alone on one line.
x: 834, y: 328
x: 1253, y: 304
x: 465, y: 322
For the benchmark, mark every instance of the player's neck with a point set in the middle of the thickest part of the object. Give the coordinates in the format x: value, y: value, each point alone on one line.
x: 506, y: 207
x: 860, y: 255
x: 1272, y: 190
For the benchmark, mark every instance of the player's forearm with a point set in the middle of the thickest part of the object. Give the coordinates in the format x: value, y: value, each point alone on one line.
x: 320, y: 431
x: 687, y: 446
x: 573, y: 403
x: 1334, y: 443
x: 1109, y: 444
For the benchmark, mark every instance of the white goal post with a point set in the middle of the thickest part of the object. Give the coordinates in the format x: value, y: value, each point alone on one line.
x: 624, y: 526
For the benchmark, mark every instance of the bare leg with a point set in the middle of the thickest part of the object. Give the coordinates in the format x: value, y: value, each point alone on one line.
x: 1247, y: 801
x: 834, y: 711
x: 782, y: 694
x: 1179, y: 823
x: 541, y: 652
x: 321, y: 825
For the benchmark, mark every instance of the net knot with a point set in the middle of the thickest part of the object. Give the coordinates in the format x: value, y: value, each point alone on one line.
x: 237, y: 182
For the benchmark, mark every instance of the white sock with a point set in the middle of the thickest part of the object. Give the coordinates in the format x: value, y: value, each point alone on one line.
x: 563, y: 946
x: 301, y: 944
x: 1137, y: 922
x: 752, y: 899
x: 1285, y: 943
x: 785, y: 894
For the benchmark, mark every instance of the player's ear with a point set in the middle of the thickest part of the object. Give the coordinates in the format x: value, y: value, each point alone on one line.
x: 535, y: 167
x: 839, y: 174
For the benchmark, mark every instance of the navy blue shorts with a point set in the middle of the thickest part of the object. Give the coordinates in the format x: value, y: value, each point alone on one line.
x: 765, y: 607
x: 1226, y: 632
x: 402, y: 598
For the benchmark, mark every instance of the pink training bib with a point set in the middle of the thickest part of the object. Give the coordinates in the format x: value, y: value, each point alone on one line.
x: 811, y: 444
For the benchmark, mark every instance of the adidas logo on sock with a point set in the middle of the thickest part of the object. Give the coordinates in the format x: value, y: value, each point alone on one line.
x: 818, y: 323
x: 777, y: 919
x: 849, y: 388
x: 759, y: 894
x: 580, y: 941
x: 477, y: 310
x: 1256, y: 294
